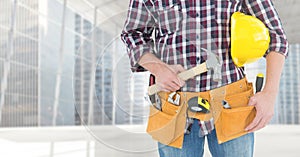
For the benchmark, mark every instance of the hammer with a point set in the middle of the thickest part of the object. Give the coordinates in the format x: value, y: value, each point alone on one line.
x: 212, y: 63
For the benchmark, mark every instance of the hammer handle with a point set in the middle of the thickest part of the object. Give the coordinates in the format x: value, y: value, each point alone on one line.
x: 185, y: 75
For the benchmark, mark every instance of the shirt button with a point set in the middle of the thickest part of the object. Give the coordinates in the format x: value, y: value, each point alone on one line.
x: 197, y: 15
x: 197, y: 36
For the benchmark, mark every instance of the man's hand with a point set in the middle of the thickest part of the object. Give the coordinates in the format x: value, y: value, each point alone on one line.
x: 165, y: 75
x: 264, y: 101
x: 264, y: 104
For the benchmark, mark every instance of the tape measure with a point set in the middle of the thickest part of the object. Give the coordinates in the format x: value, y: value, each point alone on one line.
x: 198, y: 104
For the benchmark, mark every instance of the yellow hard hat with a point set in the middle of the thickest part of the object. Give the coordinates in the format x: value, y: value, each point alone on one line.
x: 249, y: 39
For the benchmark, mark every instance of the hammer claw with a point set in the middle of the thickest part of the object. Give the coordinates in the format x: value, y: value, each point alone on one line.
x: 213, y: 63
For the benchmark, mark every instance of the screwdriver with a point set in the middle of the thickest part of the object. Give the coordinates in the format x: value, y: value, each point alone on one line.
x: 259, y: 82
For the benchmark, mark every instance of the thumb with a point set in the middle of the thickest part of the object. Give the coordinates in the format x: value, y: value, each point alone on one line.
x: 252, y: 101
x: 180, y: 68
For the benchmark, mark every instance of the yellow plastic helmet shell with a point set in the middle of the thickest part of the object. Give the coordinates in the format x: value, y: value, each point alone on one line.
x: 250, y: 39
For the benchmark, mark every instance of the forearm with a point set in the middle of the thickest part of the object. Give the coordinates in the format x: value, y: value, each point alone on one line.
x: 275, y: 63
x: 150, y: 62
x: 264, y: 101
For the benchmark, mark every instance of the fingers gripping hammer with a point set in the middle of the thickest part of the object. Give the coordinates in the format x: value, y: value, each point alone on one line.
x: 212, y: 63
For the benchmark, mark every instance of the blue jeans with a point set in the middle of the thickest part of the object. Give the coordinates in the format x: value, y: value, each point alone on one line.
x: 193, y: 145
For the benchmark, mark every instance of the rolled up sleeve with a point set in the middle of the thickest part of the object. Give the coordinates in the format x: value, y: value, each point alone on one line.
x: 265, y: 11
x: 137, y: 32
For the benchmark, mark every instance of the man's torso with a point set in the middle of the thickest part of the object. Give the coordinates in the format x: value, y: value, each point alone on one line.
x: 186, y: 29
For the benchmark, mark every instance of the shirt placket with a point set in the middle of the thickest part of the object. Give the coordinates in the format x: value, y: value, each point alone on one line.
x: 198, y: 41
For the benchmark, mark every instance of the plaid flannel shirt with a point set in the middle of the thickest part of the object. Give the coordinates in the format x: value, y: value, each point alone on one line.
x: 185, y: 29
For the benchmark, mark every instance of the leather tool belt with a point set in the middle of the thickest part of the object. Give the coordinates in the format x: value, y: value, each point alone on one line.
x: 168, y: 124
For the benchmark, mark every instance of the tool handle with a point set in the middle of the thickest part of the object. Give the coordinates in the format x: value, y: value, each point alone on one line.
x: 259, y: 82
x: 183, y: 75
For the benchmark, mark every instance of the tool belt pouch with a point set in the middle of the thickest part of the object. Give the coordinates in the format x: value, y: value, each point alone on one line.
x: 232, y: 122
x: 167, y: 125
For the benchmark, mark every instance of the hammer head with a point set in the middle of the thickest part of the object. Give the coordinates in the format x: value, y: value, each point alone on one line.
x: 213, y: 63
